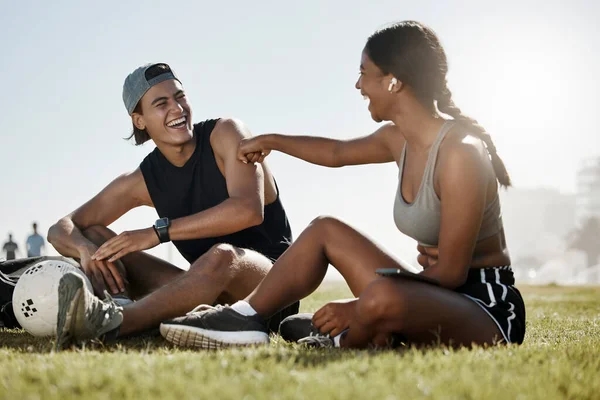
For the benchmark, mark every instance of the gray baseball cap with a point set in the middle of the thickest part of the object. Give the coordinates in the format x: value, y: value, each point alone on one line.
x: 139, y: 81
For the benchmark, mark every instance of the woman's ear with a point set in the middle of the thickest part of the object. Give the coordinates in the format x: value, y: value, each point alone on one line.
x: 138, y: 121
x: 395, y: 85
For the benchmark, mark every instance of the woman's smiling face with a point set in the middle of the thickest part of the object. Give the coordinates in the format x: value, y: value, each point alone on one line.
x: 373, y: 86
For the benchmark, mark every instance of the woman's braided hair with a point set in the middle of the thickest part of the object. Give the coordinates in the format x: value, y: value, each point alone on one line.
x: 412, y: 53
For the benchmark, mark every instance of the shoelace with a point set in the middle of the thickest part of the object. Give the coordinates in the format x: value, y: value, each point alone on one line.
x: 317, y: 339
x: 205, y: 307
x: 99, y: 312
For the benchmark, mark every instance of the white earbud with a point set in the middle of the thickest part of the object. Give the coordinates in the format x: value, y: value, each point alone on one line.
x: 392, y: 83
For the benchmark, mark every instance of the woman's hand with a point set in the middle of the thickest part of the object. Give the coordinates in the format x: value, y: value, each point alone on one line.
x: 125, y: 243
x: 253, y: 150
x: 428, y: 256
x: 333, y: 318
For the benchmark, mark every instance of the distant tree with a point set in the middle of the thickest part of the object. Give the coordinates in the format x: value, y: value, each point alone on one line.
x: 587, y: 239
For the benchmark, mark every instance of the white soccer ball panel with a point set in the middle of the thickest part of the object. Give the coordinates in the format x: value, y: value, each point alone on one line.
x: 35, y: 299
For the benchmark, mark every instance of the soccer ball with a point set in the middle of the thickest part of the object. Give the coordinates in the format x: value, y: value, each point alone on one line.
x: 35, y: 299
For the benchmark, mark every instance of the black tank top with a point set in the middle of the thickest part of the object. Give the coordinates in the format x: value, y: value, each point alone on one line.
x: 198, y: 185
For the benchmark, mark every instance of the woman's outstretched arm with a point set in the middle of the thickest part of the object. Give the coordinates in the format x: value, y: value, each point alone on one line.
x: 370, y: 149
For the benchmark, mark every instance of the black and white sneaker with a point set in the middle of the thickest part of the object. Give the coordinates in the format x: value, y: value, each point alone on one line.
x: 299, y: 328
x: 296, y: 327
x: 209, y: 327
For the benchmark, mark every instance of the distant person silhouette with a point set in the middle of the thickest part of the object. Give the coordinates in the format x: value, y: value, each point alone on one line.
x: 10, y: 248
x: 35, y: 243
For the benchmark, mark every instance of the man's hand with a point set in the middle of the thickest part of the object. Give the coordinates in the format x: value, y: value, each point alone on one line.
x: 125, y: 243
x: 101, y: 273
x: 333, y: 318
x: 253, y: 150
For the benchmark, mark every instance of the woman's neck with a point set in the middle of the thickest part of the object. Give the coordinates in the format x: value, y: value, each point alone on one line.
x: 418, y: 125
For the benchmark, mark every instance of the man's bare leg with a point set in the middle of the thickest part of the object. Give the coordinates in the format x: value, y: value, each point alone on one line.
x: 224, y: 274
x: 384, y: 305
x: 143, y: 272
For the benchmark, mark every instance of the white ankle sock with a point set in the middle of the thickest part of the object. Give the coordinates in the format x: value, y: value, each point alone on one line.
x: 244, y: 308
x: 337, y: 338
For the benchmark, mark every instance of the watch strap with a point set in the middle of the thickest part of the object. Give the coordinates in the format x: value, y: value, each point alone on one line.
x: 161, y: 227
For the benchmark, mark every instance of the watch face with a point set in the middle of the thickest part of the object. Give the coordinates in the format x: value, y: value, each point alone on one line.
x: 161, y: 223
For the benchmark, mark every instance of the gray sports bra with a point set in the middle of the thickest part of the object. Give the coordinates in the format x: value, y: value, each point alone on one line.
x: 421, y: 218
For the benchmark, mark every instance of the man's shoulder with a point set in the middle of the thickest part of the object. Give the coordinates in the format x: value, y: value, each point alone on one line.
x: 206, y: 126
x: 229, y: 129
x: 229, y: 124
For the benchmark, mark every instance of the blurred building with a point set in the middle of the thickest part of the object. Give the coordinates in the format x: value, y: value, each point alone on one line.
x: 588, y: 190
x: 536, y: 223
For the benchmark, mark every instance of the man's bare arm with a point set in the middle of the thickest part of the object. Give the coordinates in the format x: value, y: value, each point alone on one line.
x: 243, y: 209
x: 121, y: 195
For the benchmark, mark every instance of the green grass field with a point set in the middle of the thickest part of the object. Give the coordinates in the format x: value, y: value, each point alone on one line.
x: 559, y: 360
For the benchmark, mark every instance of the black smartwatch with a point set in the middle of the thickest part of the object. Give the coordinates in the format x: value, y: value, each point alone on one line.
x: 161, y: 227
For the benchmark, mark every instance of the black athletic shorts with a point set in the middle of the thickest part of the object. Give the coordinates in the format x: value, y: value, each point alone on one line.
x: 494, y: 291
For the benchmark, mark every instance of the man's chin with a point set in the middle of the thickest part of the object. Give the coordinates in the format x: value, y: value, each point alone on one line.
x: 181, y: 137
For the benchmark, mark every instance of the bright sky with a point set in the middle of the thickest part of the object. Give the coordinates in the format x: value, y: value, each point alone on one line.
x: 526, y: 70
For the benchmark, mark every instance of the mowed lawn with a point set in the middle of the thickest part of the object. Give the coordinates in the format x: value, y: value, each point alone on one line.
x: 559, y: 360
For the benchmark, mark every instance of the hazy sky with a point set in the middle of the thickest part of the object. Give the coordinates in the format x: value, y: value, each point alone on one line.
x: 526, y: 70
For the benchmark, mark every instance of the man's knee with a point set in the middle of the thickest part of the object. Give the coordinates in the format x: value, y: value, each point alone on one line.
x: 219, y: 258
x: 326, y: 224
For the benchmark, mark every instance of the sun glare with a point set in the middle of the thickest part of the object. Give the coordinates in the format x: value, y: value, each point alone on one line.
x: 521, y: 91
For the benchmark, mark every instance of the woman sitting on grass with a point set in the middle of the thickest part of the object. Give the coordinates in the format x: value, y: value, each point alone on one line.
x: 447, y: 200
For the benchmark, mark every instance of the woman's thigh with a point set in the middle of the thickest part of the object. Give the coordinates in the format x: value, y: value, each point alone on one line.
x: 355, y: 255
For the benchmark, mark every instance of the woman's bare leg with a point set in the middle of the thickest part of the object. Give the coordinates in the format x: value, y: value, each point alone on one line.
x: 424, y: 314
x: 300, y: 270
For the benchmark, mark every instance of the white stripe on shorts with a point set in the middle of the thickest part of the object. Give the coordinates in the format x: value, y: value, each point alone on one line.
x: 489, y: 288
x: 512, y: 306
